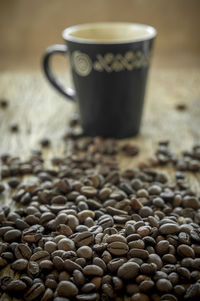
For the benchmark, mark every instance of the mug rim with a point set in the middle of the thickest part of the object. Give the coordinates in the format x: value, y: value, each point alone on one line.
x: 67, y: 32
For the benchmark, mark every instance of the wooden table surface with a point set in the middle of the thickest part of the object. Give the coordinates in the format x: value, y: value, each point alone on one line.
x: 41, y: 112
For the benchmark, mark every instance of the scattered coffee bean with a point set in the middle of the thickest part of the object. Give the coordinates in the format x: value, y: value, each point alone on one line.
x: 181, y: 107
x: 4, y: 103
x: 14, y: 127
x: 45, y: 142
x: 66, y: 289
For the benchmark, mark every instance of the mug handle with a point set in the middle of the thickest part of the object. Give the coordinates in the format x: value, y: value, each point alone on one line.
x: 62, y: 49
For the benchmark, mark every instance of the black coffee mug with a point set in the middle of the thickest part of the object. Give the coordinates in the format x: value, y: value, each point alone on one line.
x: 109, y: 63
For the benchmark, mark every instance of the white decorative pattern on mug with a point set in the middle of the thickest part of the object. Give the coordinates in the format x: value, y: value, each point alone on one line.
x: 82, y: 63
x: 110, y: 62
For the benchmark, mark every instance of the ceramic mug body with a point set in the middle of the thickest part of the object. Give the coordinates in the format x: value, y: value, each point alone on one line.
x: 109, y: 63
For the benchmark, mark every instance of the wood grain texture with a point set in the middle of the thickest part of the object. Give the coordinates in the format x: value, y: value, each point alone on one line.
x: 41, y: 112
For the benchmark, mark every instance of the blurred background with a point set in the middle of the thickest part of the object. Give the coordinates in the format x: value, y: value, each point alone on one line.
x: 28, y: 27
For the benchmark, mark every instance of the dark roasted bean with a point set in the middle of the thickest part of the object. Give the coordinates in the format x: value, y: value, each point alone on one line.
x: 19, y: 265
x: 16, y: 286
x: 22, y: 251
x: 66, y: 289
x: 128, y: 270
x: 34, y: 292
x: 92, y: 270
x: 12, y: 235
x: 164, y: 285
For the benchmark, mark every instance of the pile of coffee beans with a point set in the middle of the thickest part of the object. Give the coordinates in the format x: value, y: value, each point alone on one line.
x: 84, y: 230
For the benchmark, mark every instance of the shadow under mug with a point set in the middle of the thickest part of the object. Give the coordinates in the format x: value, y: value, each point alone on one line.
x: 109, y: 63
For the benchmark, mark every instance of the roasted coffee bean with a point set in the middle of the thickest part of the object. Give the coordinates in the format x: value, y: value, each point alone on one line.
x: 164, y: 285
x: 148, y: 268
x: 50, y: 246
x: 70, y: 266
x: 179, y: 290
x: 140, y: 297
x: 45, y: 142
x: 66, y: 244
x: 48, y: 295
x: 93, y: 270
x: 88, y: 191
x: 185, y: 251
x: 78, y: 278
x: 13, y: 182
x: 16, y: 286
x: 88, y: 297
x: 8, y: 256
x: 183, y: 273
x: 114, y: 264
x: 27, y: 280
x: 193, y: 291
x: 85, y: 252
x: 66, y: 289
x: 39, y: 256
x: 169, y: 229
x: 2, y: 187
x: 169, y: 258
x: 88, y: 288
x: 139, y: 253
x: 84, y: 238
x: 108, y: 290
x: 33, y: 269
x: 12, y: 235
x: 19, y: 265
x: 36, y: 290
x: 162, y: 247
x: 51, y: 283
x: 132, y: 289
x: 14, y: 127
x: 169, y: 297
x: 154, y: 258
x: 128, y: 270
x: 46, y: 265
x: 22, y: 251
x: 63, y: 276
x: 4, y: 103
x: 118, y: 248
x: 100, y: 262
x: 4, y: 281
x: 146, y: 285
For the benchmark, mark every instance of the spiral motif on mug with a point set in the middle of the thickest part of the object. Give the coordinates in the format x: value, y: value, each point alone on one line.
x: 82, y: 63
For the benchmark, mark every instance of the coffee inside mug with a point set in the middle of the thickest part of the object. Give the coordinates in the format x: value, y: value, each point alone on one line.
x: 109, y: 32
